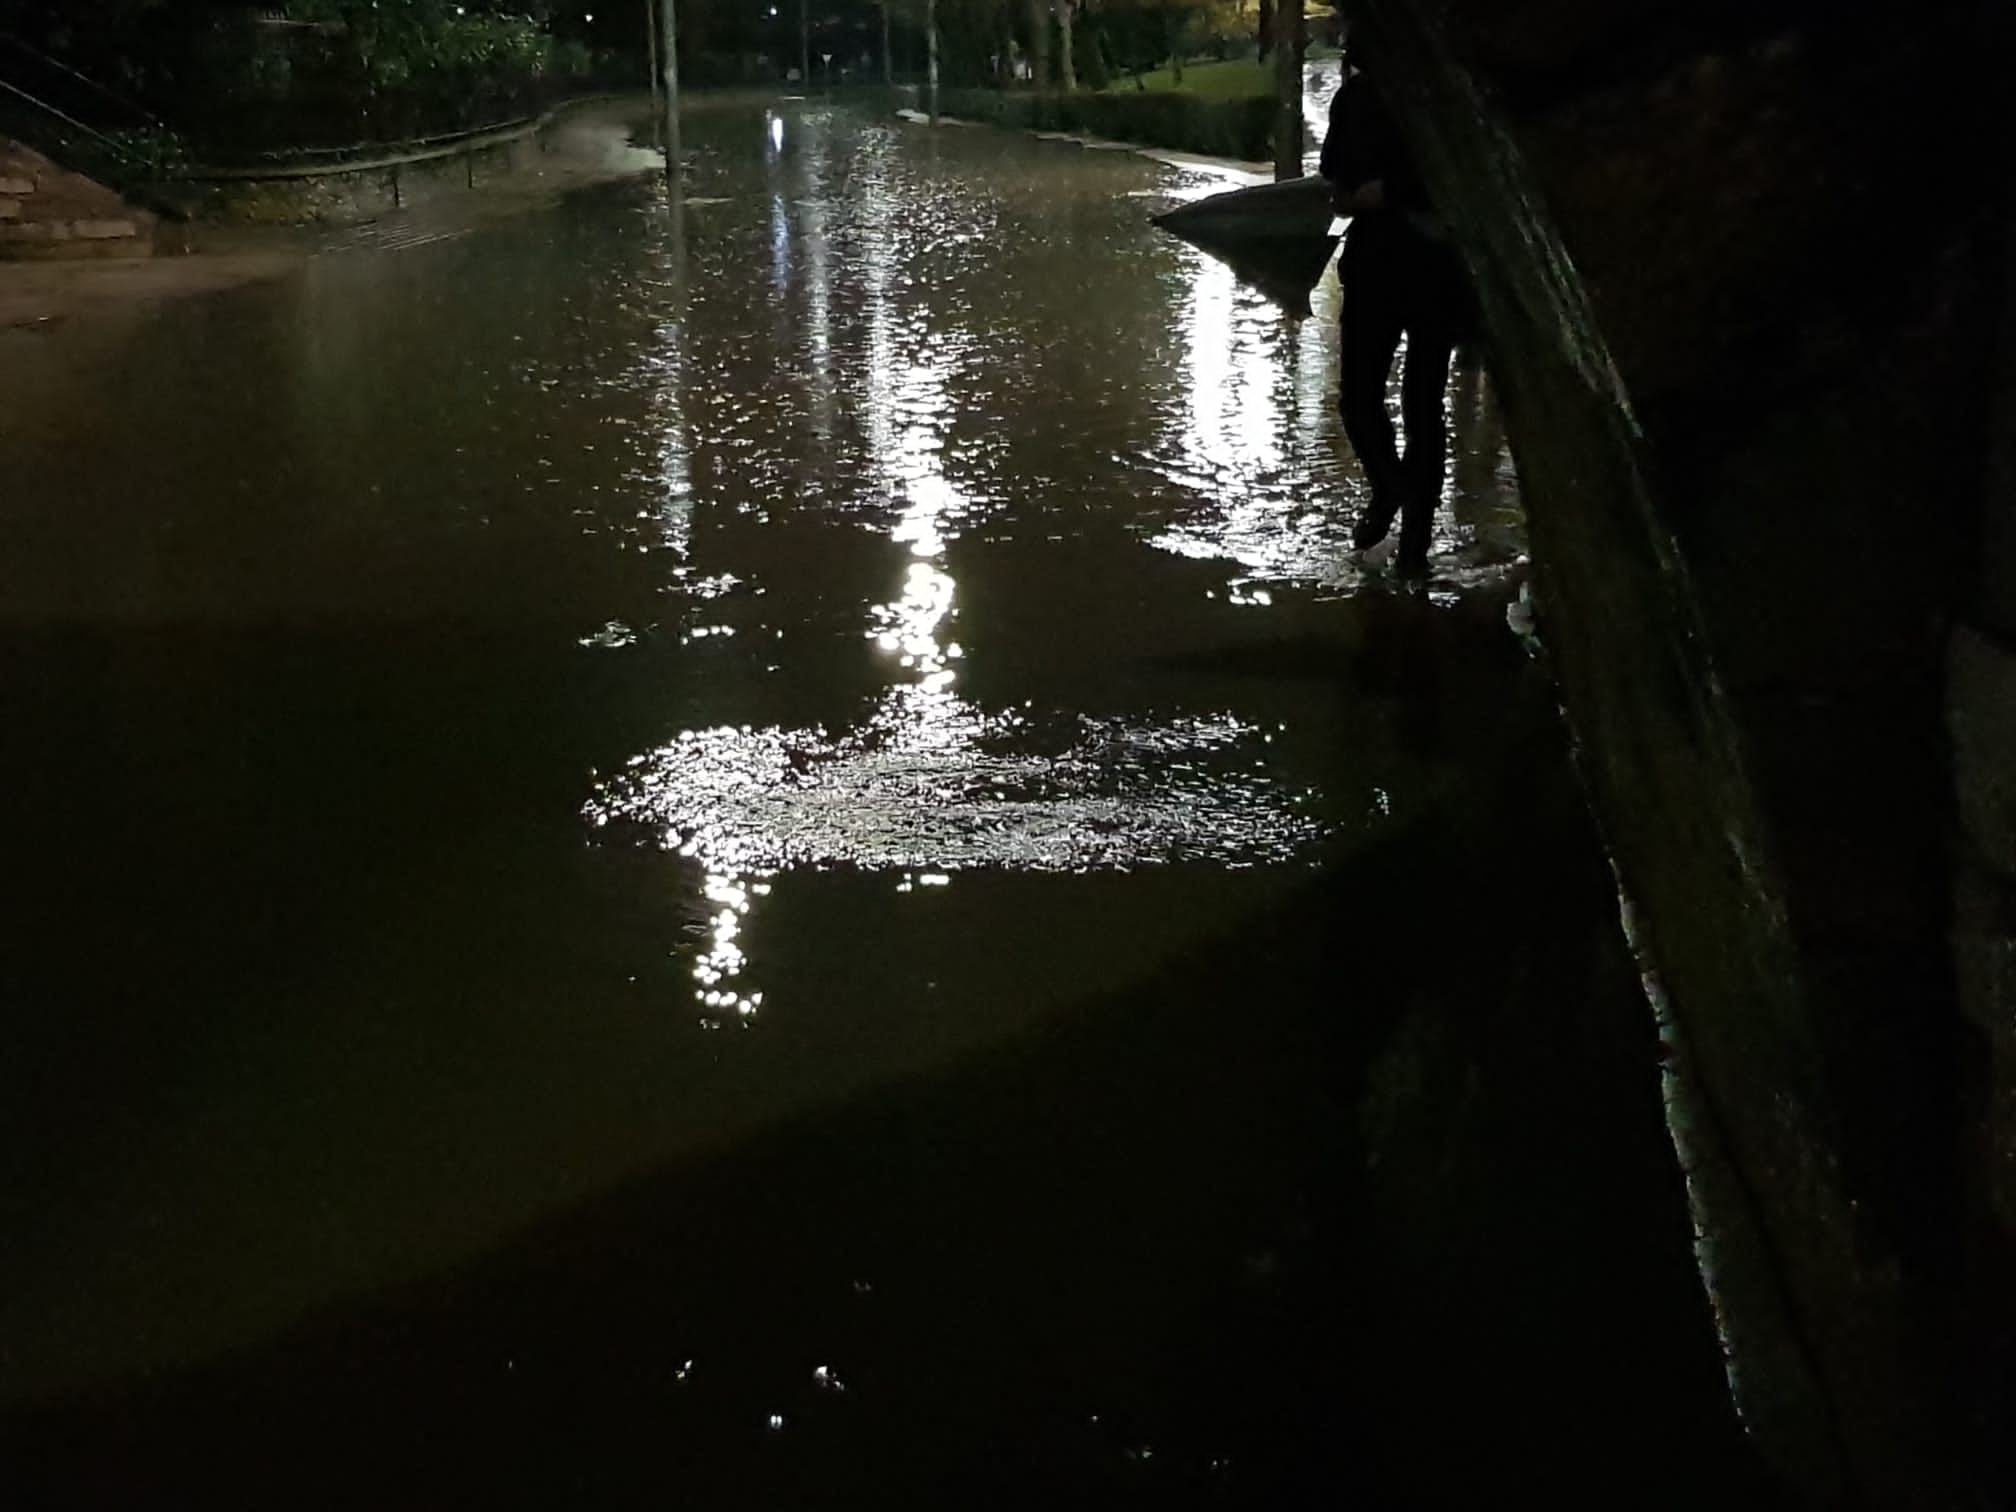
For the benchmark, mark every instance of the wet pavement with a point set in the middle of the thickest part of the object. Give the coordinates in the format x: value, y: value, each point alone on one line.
x: 771, y: 849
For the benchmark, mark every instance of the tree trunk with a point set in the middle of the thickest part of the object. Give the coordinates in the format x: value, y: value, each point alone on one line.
x: 1287, y: 90
x: 1266, y: 28
x: 888, y: 69
x: 931, y: 55
x: 1039, y: 44
x: 1067, y: 74
x: 805, y: 43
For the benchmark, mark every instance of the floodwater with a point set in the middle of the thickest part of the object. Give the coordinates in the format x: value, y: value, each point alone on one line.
x: 768, y: 851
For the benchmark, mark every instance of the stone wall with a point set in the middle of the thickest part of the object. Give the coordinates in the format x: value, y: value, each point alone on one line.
x: 1738, y: 281
x: 342, y: 196
x: 1981, y: 704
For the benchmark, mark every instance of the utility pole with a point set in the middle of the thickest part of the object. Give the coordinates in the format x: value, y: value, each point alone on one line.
x: 668, y: 58
x: 651, y: 41
x: 805, y: 43
x: 1287, y: 90
x: 888, y: 70
x: 931, y: 54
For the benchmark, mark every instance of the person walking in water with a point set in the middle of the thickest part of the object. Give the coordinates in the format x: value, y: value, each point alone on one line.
x: 1401, y: 276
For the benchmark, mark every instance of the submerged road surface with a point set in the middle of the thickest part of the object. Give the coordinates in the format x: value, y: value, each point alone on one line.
x: 770, y: 853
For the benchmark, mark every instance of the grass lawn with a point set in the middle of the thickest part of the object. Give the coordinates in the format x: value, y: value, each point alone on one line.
x: 1231, y: 80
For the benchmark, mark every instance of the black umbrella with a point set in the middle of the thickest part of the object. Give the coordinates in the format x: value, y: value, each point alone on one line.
x: 1274, y: 237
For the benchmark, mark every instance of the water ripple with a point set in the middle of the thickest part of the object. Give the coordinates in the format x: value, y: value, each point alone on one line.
x: 963, y: 790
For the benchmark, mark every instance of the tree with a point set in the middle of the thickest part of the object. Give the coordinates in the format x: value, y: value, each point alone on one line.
x: 1039, y: 43
x: 1141, y: 35
x: 1288, y: 90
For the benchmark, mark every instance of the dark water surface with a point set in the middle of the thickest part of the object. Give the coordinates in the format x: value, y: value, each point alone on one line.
x: 778, y: 860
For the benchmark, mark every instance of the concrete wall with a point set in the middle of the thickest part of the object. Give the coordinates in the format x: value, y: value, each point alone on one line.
x: 1741, y: 290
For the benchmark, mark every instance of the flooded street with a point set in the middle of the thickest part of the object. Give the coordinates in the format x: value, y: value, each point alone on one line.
x: 776, y: 852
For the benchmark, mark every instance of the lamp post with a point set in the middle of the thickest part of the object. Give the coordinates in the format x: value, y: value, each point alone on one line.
x: 668, y: 60
x: 651, y: 42
x: 931, y: 54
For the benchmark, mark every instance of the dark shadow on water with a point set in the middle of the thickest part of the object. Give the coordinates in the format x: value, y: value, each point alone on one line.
x: 1368, y: 1203
x: 1286, y: 271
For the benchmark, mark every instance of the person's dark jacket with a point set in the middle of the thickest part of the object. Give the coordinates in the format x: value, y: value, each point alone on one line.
x: 1363, y: 144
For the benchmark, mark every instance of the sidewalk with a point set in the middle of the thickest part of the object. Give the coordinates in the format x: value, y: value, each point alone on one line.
x: 586, y: 146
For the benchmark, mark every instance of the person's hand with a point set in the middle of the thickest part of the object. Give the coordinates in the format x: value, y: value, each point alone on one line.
x: 1370, y: 195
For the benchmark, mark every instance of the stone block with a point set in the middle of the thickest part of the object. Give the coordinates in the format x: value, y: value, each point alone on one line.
x: 10, y: 209
x: 1981, y: 716
x: 18, y: 186
x: 117, y: 248
x: 103, y: 230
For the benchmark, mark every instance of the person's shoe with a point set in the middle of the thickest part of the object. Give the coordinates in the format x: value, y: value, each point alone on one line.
x: 1374, y: 522
x: 1417, y: 530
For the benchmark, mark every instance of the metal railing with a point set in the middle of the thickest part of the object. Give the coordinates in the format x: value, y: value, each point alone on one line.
x: 61, y: 111
x: 68, y: 122
x: 82, y: 124
x: 21, y: 47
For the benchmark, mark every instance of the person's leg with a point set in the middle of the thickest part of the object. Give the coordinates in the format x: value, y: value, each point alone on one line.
x: 1423, y: 391
x: 1435, y: 310
x: 1369, y: 335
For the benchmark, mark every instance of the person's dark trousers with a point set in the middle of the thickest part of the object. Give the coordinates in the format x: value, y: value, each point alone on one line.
x: 1398, y: 281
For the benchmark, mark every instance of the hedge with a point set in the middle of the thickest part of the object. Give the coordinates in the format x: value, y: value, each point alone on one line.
x: 1237, y: 128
